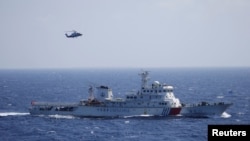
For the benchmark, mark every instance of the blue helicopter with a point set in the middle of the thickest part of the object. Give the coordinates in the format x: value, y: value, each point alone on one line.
x: 73, y: 34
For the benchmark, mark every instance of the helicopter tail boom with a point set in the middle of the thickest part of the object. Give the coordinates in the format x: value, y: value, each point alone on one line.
x: 66, y: 35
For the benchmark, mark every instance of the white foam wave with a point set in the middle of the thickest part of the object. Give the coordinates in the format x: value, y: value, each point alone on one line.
x: 127, y: 122
x: 146, y: 115
x: 3, y: 114
x: 138, y: 116
x: 62, y: 116
x: 225, y: 115
x: 220, y: 96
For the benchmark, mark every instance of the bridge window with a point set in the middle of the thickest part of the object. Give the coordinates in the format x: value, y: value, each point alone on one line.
x: 170, y: 90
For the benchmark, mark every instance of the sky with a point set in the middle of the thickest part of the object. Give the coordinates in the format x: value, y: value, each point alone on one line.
x: 124, y: 33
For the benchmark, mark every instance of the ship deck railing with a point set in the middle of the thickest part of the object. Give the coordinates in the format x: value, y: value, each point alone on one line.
x: 203, y: 104
x: 54, y: 104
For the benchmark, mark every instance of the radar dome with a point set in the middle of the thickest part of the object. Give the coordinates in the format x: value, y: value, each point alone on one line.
x: 156, y: 83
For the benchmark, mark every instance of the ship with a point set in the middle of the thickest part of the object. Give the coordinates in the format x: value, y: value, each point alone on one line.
x: 156, y: 99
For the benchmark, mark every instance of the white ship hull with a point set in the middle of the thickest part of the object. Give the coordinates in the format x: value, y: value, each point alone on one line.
x: 204, y: 110
x: 155, y: 100
x: 197, y: 110
x: 101, y: 111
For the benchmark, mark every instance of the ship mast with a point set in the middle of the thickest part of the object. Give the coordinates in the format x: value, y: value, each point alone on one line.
x: 91, y: 93
x: 144, y: 78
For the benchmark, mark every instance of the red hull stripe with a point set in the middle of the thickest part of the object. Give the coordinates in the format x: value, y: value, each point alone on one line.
x: 175, y: 111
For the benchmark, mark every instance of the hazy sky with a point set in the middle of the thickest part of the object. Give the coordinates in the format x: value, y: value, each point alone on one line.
x: 124, y: 33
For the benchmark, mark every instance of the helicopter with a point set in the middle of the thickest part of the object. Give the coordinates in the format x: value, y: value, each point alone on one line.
x: 73, y: 34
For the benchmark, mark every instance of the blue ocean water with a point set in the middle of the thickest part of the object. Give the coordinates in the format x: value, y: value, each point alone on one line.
x: 19, y: 87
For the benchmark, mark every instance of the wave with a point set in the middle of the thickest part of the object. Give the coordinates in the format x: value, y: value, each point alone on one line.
x: 62, y: 116
x: 4, y: 114
x: 138, y: 116
x: 220, y: 96
x: 225, y: 115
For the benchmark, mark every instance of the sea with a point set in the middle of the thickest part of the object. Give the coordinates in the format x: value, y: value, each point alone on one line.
x: 18, y: 87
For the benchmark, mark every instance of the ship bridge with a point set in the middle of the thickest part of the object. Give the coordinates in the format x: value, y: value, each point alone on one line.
x: 156, y: 92
x: 104, y: 93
